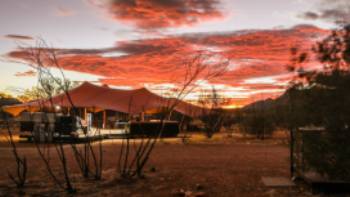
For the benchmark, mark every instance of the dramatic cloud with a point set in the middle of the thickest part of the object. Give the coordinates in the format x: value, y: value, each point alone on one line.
x: 335, y: 11
x: 257, y: 59
x: 18, y: 37
x: 152, y: 14
x: 29, y: 73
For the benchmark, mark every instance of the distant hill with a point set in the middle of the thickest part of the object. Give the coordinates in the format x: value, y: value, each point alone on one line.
x: 8, y: 101
x: 268, y: 104
x: 260, y: 105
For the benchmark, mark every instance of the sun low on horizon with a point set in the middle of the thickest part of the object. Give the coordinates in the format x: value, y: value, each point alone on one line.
x: 144, y: 43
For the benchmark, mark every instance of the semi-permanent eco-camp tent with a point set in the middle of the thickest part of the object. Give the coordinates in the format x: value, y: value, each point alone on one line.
x: 98, y: 98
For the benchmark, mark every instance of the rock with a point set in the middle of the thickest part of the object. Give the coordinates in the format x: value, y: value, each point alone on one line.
x: 178, y: 193
x: 199, y: 194
x: 153, y: 169
x: 199, y: 187
x: 188, y: 194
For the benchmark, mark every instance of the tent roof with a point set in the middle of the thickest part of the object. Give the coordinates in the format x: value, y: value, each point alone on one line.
x: 128, y: 101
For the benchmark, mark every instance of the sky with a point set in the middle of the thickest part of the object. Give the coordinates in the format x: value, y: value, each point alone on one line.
x: 148, y: 43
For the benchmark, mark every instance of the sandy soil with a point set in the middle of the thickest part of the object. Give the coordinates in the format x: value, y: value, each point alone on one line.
x: 231, y: 167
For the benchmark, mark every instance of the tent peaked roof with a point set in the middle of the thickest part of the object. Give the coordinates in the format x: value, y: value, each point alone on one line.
x: 103, y: 97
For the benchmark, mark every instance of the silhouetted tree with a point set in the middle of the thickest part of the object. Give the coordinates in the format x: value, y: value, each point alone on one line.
x: 323, y: 98
x: 213, y: 113
x: 257, y: 122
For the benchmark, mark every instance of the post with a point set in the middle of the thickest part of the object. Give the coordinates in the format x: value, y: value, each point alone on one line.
x: 85, y: 113
x: 291, y: 153
x: 171, y: 113
x: 142, y: 116
x: 104, y: 119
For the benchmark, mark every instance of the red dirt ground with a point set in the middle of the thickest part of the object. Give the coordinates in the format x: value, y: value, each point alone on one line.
x: 229, y: 167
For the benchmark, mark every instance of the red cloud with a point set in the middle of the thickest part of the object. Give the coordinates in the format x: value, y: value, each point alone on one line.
x: 152, y: 14
x: 252, y: 54
x: 29, y: 73
x: 18, y: 37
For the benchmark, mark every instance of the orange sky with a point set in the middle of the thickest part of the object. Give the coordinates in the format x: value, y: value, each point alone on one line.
x: 133, y: 43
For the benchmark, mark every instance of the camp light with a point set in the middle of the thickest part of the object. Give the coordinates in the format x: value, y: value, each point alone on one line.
x: 57, y: 108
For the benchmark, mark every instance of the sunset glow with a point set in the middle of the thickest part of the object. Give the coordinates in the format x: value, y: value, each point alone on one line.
x: 135, y: 43
x: 165, y: 98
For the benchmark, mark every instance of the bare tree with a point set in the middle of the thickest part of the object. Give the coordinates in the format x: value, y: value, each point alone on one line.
x: 213, y: 115
x: 46, y: 57
x: 132, y: 163
x: 42, y: 57
x: 20, y: 176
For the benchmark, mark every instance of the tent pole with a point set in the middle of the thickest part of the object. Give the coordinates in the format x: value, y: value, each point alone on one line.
x: 85, y: 113
x: 170, y: 114
x: 104, y: 119
x: 142, y: 116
